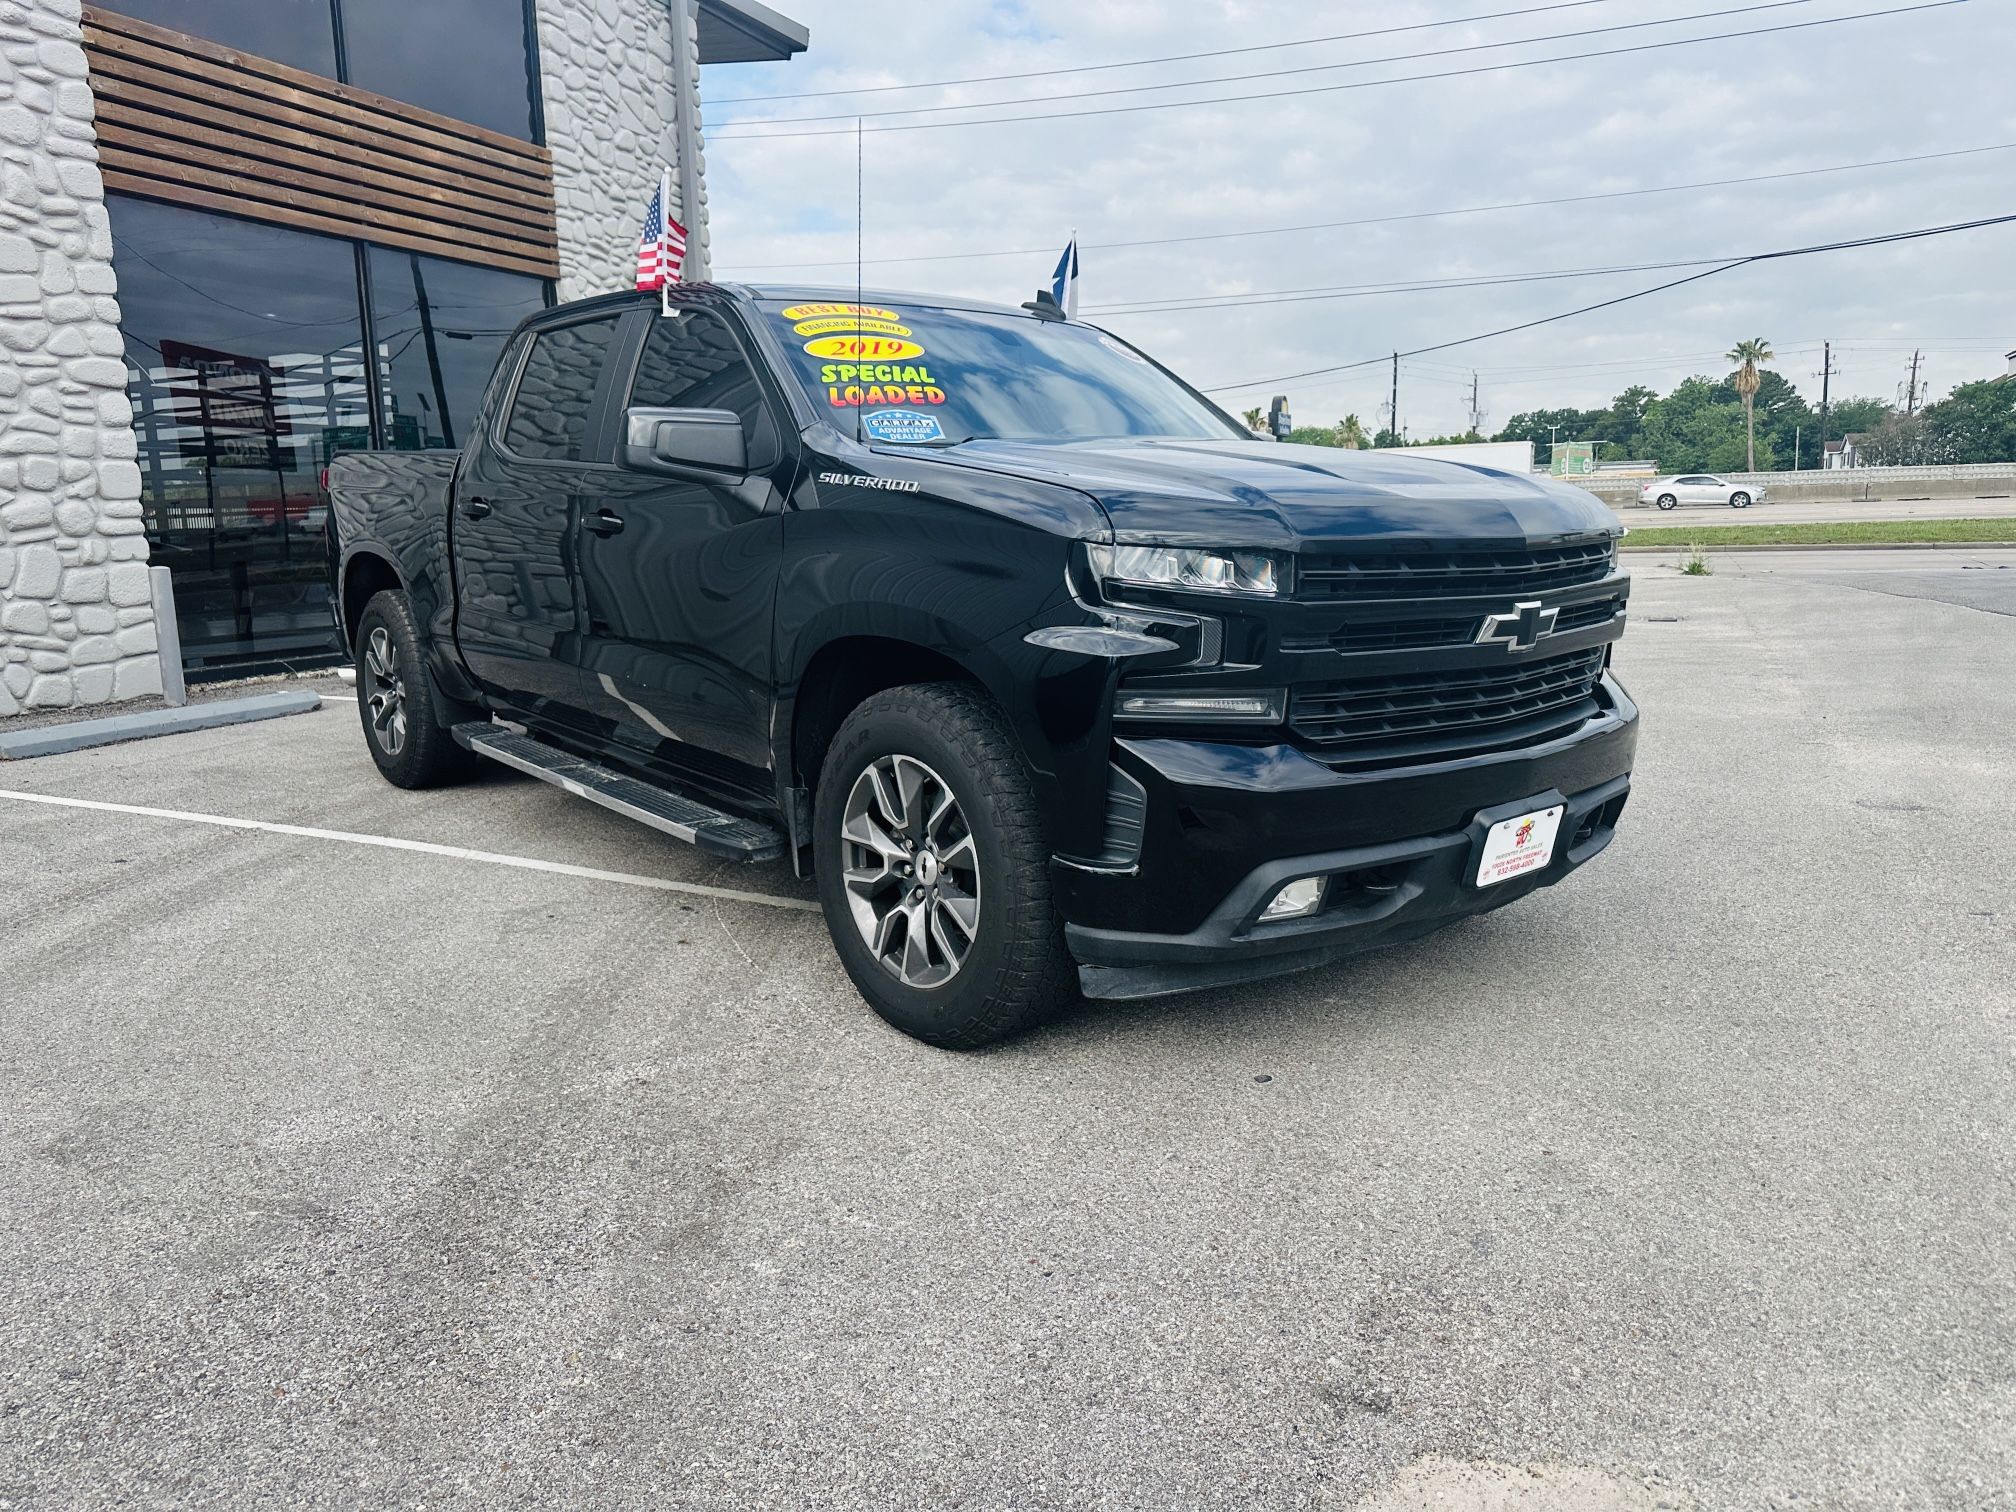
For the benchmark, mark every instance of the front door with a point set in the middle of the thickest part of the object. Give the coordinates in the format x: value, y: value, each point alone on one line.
x: 517, y: 502
x: 679, y: 578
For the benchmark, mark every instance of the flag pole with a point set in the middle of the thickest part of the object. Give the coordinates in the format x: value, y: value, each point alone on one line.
x: 664, y: 235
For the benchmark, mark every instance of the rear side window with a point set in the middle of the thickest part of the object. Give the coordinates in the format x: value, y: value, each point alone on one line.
x: 549, y: 413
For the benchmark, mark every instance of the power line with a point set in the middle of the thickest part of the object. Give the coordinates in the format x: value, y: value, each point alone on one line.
x: 1216, y: 52
x: 1279, y: 73
x: 1263, y: 298
x: 1280, y: 94
x: 1742, y: 262
x: 1413, y: 215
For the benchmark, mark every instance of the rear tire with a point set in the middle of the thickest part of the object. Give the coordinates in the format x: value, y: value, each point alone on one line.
x: 1667, y: 501
x: 413, y: 749
x: 926, y: 817
x: 1739, y: 500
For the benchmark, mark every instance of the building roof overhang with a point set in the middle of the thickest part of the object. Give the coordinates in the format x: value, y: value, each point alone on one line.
x: 747, y: 31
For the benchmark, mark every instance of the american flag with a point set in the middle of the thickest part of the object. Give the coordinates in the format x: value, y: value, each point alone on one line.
x: 662, y: 250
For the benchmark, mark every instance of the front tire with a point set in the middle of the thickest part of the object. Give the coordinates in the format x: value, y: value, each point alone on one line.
x: 933, y: 871
x: 1739, y: 500
x: 413, y: 749
x: 1667, y: 501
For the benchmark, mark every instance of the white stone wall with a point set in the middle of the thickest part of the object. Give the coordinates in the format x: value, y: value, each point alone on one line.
x: 76, y: 622
x: 607, y: 70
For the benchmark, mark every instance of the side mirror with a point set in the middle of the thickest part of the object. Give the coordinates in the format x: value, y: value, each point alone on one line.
x: 684, y: 443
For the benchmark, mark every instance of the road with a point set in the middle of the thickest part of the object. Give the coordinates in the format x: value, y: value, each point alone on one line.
x: 1803, y: 512
x: 345, y: 1174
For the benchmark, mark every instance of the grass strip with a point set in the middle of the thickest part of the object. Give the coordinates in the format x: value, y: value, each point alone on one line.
x: 1858, y: 532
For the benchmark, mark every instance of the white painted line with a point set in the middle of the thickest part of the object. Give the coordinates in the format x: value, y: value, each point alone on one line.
x: 452, y: 852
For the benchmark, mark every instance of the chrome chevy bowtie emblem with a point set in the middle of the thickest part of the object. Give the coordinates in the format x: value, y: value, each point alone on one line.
x: 1520, y: 630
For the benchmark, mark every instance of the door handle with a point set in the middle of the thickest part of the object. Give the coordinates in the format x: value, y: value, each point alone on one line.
x: 603, y: 522
x: 475, y: 509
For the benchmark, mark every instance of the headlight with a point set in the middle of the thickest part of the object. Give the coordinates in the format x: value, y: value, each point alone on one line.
x: 1186, y: 567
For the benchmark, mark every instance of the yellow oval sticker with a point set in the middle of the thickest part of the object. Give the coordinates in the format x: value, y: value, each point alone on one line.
x: 847, y: 325
x: 864, y: 348
x: 807, y: 311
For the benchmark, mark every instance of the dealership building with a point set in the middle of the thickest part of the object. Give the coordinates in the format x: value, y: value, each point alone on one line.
x: 238, y: 237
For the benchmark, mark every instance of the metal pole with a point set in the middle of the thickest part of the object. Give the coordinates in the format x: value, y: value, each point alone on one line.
x: 686, y: 139
x: 168, y: 637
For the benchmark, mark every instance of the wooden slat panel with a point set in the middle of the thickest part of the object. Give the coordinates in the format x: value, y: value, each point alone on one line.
x: 194, y: 123
x: 174, y: 95
x: 128, y: 129
x: 377, y: 109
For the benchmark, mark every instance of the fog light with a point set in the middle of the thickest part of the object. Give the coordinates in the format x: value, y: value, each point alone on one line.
x: 1298, y: 899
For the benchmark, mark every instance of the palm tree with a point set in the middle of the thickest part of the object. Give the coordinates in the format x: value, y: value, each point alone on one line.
x: 1747, y: 354
x: 1255, y: 418
x: 1351, y: 433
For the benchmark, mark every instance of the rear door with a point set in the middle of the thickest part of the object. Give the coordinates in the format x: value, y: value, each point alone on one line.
x: 1702, y: 489
x: 517, y: 505
x: 679, y: 577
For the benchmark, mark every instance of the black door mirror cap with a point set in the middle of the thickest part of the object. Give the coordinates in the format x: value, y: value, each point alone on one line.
x: 684, y: 443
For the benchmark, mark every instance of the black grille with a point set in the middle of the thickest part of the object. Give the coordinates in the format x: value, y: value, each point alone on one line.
x: 1582, y: 616
x: 1391, y: 635
x: 1463, y: 709
x: 1439, y: 573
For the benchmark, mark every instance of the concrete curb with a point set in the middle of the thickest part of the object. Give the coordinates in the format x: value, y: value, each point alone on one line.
x: 1625, y: 545
x: 54, y: 740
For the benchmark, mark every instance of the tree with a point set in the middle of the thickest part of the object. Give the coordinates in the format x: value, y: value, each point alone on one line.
x: 1695, y: 429
x: 1975, y: 423
x: 1748, y: 354
x: 1256, y: 420
x: 1351, y: 433
x: 1617, y: 429
x: 1544, y: 427
x: 1849, y: 415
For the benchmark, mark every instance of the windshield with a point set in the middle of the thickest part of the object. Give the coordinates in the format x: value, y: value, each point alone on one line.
x: 922, y: 376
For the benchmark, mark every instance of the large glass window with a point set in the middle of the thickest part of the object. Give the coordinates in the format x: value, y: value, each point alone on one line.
x: 464, y: 58
x: 299, y: 32
x: 440, y: 326
x: 245, y: 365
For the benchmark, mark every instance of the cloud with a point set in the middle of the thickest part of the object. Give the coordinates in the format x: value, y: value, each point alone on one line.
x: 1755, y: 105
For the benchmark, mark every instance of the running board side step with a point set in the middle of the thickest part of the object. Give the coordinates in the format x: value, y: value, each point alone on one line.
x: 714, y: 832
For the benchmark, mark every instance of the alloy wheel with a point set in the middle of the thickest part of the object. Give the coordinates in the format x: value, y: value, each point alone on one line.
x: 384, y: 691
x: 912, y: 871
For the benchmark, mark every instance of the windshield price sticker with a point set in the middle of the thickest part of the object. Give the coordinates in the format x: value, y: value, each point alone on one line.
x: 812, y: 311
x: 1514, y: 847
x: 849, y: 325
x: 864, y: 348
x: 850, y: 385
x: 905, y: 426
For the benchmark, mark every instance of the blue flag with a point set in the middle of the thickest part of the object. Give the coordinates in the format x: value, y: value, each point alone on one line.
x: 1064, y: 287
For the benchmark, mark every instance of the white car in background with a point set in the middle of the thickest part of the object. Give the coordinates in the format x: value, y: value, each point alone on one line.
x: 1698, y: 488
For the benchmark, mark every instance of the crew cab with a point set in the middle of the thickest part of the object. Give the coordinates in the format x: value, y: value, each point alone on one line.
x: 1055, y: 677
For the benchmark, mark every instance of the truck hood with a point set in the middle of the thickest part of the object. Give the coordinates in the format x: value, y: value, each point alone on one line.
x: 1258, y: 495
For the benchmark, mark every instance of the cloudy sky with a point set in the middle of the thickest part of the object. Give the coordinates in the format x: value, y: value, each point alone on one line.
x: 1930, y: 81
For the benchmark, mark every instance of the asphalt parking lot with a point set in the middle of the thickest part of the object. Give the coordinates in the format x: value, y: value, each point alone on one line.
x: 341, y: 1174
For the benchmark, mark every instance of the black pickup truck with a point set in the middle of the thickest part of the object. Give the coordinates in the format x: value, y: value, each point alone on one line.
x: 1055, y: 677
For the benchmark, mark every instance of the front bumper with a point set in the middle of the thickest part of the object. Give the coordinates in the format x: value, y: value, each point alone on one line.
x: 1227, y: 826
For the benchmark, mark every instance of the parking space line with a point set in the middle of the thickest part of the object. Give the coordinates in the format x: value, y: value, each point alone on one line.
x: 425, y: 848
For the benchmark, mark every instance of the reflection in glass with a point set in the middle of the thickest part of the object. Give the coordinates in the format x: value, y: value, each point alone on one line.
x: 440, y: 327
x: 245, y: 366
x: 550, y: 411
x: 298, y: 32
x: 464, y: 58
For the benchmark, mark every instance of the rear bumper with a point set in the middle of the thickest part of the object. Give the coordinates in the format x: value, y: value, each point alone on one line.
x: 1224, y: 833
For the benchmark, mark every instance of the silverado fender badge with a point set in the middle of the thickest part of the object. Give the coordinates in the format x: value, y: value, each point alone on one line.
x: 1521, y: 630
x: 858, y: 480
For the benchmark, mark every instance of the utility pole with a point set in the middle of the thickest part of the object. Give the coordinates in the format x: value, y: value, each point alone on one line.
x: 1393, y: 418
x: 1826, y: 377
x: 1911, y: 394
x: 1476, y: 414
